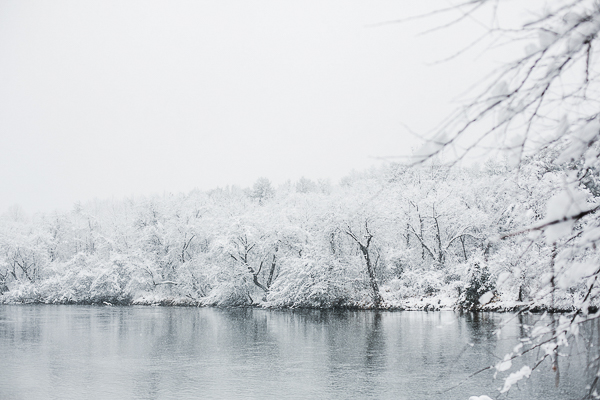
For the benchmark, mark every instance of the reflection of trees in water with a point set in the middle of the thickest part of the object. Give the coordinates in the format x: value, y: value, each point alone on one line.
x: 583, y: 352
x: 375, y: 351
x: 247, y: 353
x: 149, y: 386
x: 481, y: 326
x: 248, y: 329
x: 496, y: 335
x: 207, y: 341
x: 18, y: 325
x: 481, y: 347
x: 355, y: 344
x: 323, y: 317
x: 340, y: 335
x: 375, y: 355
x: 593, y: 347
x: 522, y: 326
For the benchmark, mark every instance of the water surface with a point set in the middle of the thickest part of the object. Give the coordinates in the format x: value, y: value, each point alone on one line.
x: 77, y: 352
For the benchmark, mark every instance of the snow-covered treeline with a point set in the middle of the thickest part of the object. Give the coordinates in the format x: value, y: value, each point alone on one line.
x: 421, y: 237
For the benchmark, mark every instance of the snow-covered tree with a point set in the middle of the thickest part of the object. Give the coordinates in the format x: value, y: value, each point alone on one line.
x: 541, y: 111
x: 262, y: 190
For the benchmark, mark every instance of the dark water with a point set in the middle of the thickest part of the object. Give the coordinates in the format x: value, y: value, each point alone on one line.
x: 80, y: 352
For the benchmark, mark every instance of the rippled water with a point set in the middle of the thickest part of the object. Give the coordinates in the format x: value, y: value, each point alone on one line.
x: 80, y: 352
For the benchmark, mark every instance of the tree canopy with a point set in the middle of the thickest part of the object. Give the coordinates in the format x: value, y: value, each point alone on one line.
x: 540, y: 110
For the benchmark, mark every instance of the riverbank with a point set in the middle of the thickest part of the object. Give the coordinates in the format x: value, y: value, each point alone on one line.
x: 432, y: 303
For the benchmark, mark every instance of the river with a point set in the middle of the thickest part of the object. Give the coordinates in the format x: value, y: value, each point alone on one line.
x: 92, y: 352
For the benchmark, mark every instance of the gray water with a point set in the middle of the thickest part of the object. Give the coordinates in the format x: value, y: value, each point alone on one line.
x: 87, y: 352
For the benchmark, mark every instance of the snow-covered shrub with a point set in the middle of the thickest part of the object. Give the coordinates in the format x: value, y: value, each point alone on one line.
x: 229, y: 294
x: 416, y: 283
x: 21, y: 292
x: 322, y: 283
x: 400, y: 260
x: 478, y: 281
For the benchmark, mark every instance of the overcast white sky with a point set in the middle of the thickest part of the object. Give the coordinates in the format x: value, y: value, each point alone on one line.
x: 109, y: 99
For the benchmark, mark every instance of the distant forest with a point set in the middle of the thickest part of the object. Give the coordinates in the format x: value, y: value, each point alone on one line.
x: 421, y: 237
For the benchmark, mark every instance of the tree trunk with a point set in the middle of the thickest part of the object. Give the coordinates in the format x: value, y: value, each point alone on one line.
x: 272, y: 269
x: 377, y: 300
x: 372, y: 279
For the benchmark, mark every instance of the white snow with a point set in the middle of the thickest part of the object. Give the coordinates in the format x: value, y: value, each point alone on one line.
x: 505, y: 364
x: 575, y: 273
x: 486, y: 297
x: 515, y: 377
x: 565, y: 204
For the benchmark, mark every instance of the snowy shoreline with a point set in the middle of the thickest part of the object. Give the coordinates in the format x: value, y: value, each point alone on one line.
x: 415, y: 304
